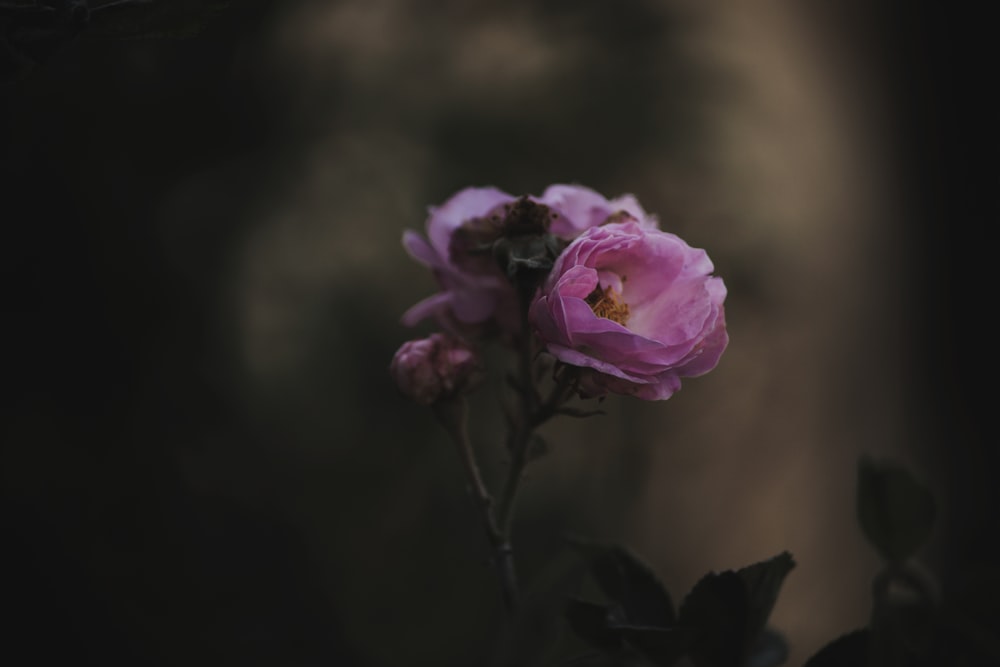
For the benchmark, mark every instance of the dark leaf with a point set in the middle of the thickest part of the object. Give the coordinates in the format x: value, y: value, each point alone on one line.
x: 717, y: 609
x: 531, y: 635
x: 630, y: 583
x: 590, y: 622
x: 768, y: 650
x: 661, y: 646
x: 850, y: 650
x: 763, y: 581
x: 525, y: 260
x: 895, y: 511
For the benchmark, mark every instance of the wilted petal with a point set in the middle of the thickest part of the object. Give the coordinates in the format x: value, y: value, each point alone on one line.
x: 462, y: 206
x: 630, y: 205
x: 467, y: 298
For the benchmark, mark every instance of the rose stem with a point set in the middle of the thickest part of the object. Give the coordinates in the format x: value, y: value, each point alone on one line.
x: 533, y: 413
x: 453, y: 415
x: 518, y: 444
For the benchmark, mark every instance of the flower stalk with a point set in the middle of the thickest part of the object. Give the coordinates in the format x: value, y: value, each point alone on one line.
x: 453, y: 415
x: 591, y: 283
x: 533, y: 413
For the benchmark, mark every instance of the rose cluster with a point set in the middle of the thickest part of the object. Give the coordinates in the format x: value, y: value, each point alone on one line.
x: 594, y: 282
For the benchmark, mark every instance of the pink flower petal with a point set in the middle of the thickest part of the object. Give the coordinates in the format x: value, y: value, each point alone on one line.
x: 671, y: 324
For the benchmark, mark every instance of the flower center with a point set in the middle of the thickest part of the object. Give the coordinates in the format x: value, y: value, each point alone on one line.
x: 607, y: 303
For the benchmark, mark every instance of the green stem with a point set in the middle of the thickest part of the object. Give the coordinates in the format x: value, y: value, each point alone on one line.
x: 453, y: 416
x: 533, y: 413
x: 522, y: 427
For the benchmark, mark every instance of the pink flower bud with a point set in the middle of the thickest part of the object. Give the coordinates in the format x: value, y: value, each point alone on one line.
x: 430, y: 369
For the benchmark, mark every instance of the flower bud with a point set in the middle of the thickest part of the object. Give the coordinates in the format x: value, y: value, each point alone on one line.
x: 434, y: 368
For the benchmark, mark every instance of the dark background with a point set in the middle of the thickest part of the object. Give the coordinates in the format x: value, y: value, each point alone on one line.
x: 163, y: 505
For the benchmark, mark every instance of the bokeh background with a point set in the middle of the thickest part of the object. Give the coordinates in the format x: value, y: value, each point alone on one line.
x: 204, y: 459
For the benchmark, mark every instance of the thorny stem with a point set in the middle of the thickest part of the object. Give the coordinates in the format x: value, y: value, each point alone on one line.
x: 453, y: 416
x: 533, y: 413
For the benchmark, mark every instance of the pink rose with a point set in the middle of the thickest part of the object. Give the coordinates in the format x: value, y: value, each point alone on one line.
x: 581, y: 208
x: 635, y: 307
x: 470, y: 297
x: 474, y: 291
x: 436, y: 367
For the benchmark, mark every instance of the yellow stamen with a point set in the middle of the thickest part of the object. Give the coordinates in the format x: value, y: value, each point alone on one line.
x: 607, y: 303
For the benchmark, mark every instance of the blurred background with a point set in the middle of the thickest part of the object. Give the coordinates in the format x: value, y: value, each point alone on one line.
x: 204, y: 460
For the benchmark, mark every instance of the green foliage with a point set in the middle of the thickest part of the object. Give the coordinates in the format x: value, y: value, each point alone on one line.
x: 911, y: 625
x: 763, y: 582
x: 529, y: 637
x: 721, y: 622
x: 896, y: 514
x: 718, y: 608
x: 640, y: 598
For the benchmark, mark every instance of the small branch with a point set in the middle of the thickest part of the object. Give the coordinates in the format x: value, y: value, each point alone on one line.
x: 518, y: 445
x: 534, y: 412
x: 522, y: 427
x: 522, y: 419
x: 452, y: 415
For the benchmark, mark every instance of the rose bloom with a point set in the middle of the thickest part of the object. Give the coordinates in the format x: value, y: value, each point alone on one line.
x: 473, y: 290
x: 635, y: 307
x: 581, y: 208
x: 468, y: 297
x: 436, y: 367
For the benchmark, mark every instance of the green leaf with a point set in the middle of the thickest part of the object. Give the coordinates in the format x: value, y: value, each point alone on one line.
x: 634, y: 587
x: 718, y: 610
x: 763, y: 581
x: 850, y: 650
x: 895, y: 511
